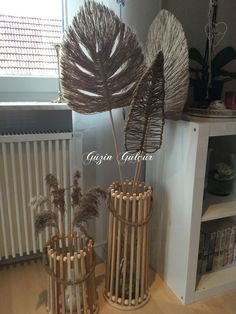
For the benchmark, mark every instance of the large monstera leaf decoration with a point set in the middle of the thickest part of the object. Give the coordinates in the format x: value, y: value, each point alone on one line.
x: 166, y: 34
x: 144, y: 128
x: 101, y: 61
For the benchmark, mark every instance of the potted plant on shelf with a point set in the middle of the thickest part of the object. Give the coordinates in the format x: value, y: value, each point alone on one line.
x: 221, y: 179
x: 68, y: 258
x: 200, y: 75
x: 208, y: 78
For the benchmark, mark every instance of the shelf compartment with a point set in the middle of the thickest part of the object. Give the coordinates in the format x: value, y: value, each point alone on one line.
x: 215, y: 207
x: 215, y: 282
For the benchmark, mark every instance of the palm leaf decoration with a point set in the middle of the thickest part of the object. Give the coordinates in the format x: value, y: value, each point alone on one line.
x: 144, y: 128
x: 166, y: 34
x: 101, y: 61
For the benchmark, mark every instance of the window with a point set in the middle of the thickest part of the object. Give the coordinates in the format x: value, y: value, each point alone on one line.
x: 27, y: 45
x: 28, y: 64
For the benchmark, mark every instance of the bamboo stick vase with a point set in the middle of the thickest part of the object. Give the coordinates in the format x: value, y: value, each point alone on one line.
x: 70, y: 262
x: 127, y: 268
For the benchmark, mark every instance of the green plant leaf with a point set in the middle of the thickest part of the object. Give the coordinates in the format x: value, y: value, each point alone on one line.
x: 195, y: 55
x: 195, y: 70
x: 222, y: 58
x: 192, y: 82
x: 227, y: 73
x: 227, y: 79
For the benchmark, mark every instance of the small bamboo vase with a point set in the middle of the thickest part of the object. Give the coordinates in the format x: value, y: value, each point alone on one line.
x: 127, y: 268
x: 70, y: 262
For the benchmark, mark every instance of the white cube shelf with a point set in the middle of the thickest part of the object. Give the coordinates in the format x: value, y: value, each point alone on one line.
x: 177, y: 175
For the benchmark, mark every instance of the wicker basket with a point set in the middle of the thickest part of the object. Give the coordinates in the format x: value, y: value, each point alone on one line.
x: 127, y: 266
x: 70, y: 262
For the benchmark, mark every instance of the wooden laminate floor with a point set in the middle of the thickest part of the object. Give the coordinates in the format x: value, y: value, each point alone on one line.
x: 23, y: 291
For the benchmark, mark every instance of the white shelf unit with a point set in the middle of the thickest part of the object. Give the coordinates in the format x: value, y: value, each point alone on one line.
x: 177, y: 174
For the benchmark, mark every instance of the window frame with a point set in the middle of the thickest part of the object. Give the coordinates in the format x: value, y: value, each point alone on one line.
x: 23, y: 88
x: 20, y: 88
x: 43, y: 88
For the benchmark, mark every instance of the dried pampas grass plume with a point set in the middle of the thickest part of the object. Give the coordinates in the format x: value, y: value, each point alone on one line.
x: 58, y: 194
x: 89, y: 206
x: 76, y: 191
x: 46, y: 218
x: 86, y: 205
x: 51, y: 181
x: 37, y: 201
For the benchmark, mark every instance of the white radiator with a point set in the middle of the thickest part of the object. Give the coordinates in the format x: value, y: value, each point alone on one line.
x: 24, y: 162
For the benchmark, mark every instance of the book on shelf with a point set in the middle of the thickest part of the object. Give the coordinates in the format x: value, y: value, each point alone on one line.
x: 234, y: 255
x: 217, y: 247
x: 216, y: 250
x: 228, y: 232
x: 210, y: 253
x: 231, y: 246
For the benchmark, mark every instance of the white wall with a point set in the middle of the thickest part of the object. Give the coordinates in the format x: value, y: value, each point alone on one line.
x: 139, y: 15
x: 136, y: 13
x: 193, y: 16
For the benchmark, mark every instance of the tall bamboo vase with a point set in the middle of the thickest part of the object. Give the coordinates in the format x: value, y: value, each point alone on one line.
x: 127, y: 267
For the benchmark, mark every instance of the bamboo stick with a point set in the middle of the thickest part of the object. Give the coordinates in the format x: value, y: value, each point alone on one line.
x: 113, y: 245
x: 74, y: 242
x: 144, y: 247
x: 125, y: 247
x: 84, y: 242
x: 91, y: 263
x: 125, y: 186
x: 80, y: 243
x: 70, y: 243
x: 140, y: 190
x: 117, y: 281
x: 83, y: 273
x: 56, y: 293
x: 135, y: 173
x: 77, y: 287
x: 51, y: 289
x: 116, y: 146
x: 138, y: 251
x: 109, y: 248
x: 139, y: 168
x: 70, y: 287
x: 132, y: 249
x: 147, y: 243
x: 88, y: 281
x: 62, y: 285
